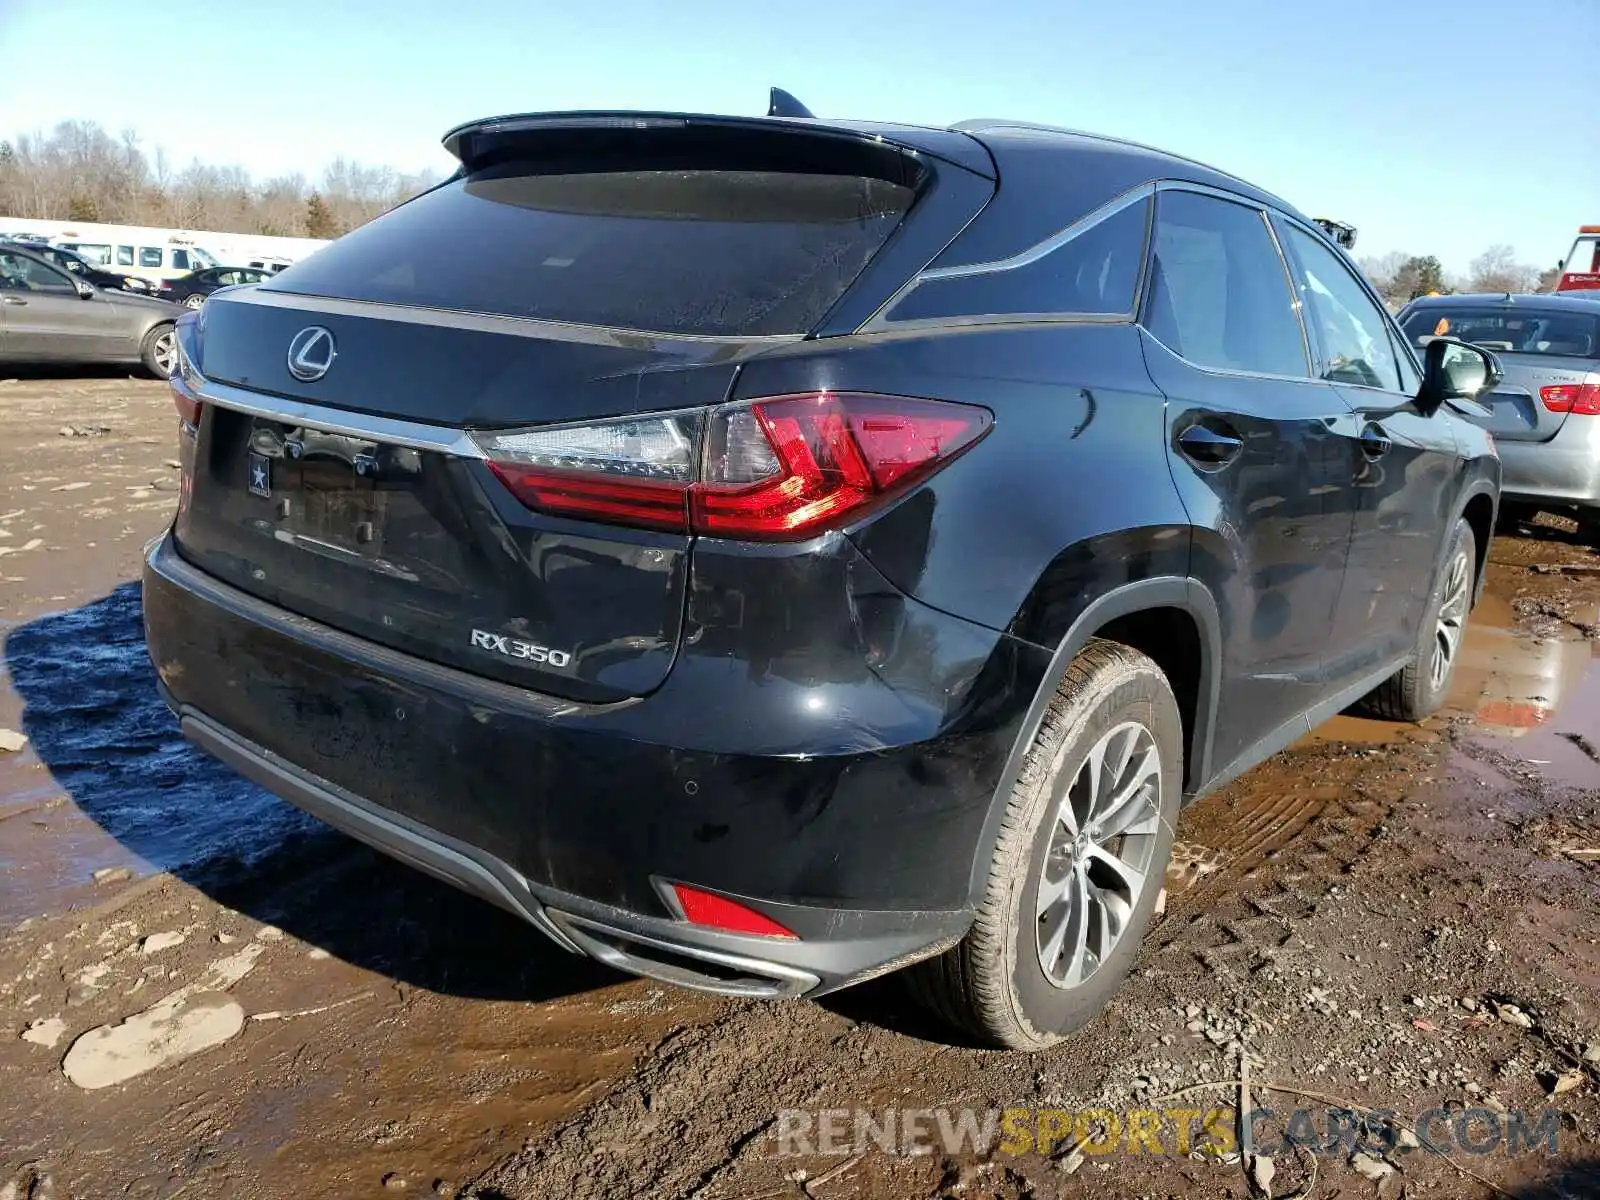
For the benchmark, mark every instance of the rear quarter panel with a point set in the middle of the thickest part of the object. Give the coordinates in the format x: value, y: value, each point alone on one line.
x: 1068, y: 496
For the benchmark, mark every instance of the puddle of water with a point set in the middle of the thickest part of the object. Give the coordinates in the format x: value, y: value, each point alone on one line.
x: 135, y: 793
x: 1527, y: 691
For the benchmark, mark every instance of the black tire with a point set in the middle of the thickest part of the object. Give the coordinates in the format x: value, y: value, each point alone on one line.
x: 157, y: 347
x: 1513, y: 515
x: 1418, y: 689
x: 1589, y: 526
x: 993, y: 984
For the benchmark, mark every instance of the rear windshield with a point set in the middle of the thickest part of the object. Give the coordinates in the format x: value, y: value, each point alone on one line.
x: 706, y: 252
x: 1568, y: 335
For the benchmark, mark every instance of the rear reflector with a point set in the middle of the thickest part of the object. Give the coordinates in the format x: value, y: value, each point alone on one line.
x: 1582, y: 399
x: 718, y: 912
x: 776, y: 469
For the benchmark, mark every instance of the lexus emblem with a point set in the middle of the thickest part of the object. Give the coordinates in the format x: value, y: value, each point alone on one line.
x: 311, y: 354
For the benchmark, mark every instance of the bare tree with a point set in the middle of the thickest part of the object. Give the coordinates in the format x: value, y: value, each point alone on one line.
x: 1497, y: 270
x: 80, y: 172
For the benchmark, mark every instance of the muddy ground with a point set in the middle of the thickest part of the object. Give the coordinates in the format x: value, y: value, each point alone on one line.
x: 1401, y: 918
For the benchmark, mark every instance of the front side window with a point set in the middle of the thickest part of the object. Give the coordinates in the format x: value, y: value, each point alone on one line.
x: 1219, y: 295
x: 1094, y: 272
x: 180, y: 260
x: 20, y: 273
x: 1350, y: 327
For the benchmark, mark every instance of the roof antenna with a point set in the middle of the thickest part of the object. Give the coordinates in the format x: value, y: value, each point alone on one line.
x: 782, y: 104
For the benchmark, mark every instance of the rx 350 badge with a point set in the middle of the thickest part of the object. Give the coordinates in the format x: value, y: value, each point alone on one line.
x: 499, y: 643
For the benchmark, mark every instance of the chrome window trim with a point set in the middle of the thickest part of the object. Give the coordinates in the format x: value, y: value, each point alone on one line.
x: 392, y: 430
x: 879, y: 322
x: 528, y: 327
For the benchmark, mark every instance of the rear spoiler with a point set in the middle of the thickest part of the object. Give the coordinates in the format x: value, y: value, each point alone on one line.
x: 483, y: 143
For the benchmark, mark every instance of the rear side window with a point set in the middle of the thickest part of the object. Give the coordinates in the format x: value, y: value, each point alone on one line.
x: 1093, y: 271
x: 149, y: 256
x: 1219, y: 293
x: 702, y: 252
x: 1509, y: 331
x: 124, y: 256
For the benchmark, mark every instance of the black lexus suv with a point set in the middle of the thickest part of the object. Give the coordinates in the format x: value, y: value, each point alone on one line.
x: 765, y: 553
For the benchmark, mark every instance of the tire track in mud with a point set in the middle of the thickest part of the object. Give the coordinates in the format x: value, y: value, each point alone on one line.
x: 1279, y: 841
x: 695, y: 1119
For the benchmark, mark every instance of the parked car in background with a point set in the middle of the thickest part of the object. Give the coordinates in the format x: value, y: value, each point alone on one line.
x: 151, y: 262
x: 794, y: 549
x: 271, y: 265
x: 191, y: 291
x: 83, y: 269
x: 1545, y: 413
x: 48, y: 315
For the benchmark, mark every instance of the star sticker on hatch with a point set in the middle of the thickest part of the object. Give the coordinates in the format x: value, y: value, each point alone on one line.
x: 260, y: 475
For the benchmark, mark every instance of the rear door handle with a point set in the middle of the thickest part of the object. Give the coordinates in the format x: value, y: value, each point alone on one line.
x: 1209, y: 447
x: 1375, y: 442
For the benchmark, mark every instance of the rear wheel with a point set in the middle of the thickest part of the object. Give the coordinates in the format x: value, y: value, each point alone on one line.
x: 159, y: 351
x: 194, y: 300
x: 1417, y: 691
x: 1080, y: 861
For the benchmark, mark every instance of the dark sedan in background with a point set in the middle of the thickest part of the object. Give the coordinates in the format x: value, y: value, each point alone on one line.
x: 192, y: 289
x: 46, y: 315
x: 1545, y: 414
x: 84, y: 269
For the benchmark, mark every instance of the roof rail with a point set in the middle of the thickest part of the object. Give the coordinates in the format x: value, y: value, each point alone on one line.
x: 984, y: 124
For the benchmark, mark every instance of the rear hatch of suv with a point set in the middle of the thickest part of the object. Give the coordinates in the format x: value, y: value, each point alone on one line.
x: 1550, y: 357
x: 347, y: 461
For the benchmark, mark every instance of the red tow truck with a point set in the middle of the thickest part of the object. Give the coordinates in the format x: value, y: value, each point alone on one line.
x: 1580, y: 270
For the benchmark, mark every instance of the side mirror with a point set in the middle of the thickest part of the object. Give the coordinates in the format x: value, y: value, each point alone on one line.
x: 1455, y: 370
x: 85, y: 289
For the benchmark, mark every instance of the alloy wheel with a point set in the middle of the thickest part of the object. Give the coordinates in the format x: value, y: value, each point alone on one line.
x: 1452, y: 619
x: 164, y: 352
x: 1102, y: 843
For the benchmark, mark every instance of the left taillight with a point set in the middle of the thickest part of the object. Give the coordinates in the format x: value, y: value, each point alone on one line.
x: 182, y: 380
x: 781, y: 468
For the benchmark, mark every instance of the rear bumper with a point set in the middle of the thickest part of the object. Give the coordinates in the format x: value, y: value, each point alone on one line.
x: 1564, y: 470
x: 574, y: 817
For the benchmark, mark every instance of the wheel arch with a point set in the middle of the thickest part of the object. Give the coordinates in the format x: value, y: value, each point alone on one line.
x: 1479, y: 509
x: 1174, y: 620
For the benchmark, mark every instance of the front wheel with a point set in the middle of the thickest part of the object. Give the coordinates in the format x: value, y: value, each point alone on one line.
x: 194, y: 300
x: 1080, y: 861
x: 1589, y: 526
x: 1419, y: 688
x: 159, y: 351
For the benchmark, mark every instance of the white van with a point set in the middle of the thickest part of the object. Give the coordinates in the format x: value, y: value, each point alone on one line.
x: 157, y: 262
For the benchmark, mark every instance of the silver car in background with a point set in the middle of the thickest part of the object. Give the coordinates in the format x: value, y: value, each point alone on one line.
x: 1545, y: 415
x: 47, y: 315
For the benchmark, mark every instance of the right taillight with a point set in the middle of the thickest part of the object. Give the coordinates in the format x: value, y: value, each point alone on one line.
x: 775, y: 469
x: 1582, y: 399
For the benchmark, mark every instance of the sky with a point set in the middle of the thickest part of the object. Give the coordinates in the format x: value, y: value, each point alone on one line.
x: 1434, y: 128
